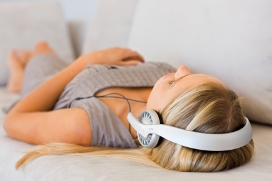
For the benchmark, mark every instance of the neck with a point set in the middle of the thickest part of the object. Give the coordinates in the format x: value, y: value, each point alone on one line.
x: 120, y: 106
x: 140, y: 94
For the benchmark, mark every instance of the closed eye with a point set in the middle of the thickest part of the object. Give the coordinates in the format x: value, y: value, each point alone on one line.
x: 174, y: 81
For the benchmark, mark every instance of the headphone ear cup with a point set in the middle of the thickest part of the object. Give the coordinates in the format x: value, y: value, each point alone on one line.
x: 150, y: 117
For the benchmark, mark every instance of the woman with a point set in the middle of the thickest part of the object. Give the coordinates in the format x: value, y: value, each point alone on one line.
x: 87, y: 106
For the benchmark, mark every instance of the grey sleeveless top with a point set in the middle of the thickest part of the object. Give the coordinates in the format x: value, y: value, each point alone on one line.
x: 107, y: 129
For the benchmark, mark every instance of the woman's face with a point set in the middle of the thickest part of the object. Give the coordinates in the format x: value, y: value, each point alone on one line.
x: 170, y: 86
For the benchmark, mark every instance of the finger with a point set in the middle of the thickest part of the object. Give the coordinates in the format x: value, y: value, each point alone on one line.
x: 130, y: 63
x: 135, y: 57
x: 141, y: 58
x: 138, y: 56
x: 130, y: 54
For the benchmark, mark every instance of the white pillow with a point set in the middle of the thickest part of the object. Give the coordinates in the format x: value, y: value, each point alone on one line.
x: 110, y: 25
x: 23, y: 24
x: 229, y: 39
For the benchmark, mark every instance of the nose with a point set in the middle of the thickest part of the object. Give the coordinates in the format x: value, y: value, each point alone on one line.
x: 182, y: 71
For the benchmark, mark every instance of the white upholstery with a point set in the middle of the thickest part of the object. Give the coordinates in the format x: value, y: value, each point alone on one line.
x: 228, y: 39
x: 71, y: 168
x: 205, y: 35
x: 23, y: 24
x: 110, y: 25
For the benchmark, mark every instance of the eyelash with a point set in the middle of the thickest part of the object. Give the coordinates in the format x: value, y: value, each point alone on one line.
x: 171, y: 82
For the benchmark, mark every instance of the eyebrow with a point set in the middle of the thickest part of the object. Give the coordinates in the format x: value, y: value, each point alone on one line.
x: 179, y: 79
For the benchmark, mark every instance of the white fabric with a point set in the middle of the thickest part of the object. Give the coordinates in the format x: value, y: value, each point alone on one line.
x: 23, y: 24
x: 71, y: 168
x: 110, y: 25
x: 228, y: 39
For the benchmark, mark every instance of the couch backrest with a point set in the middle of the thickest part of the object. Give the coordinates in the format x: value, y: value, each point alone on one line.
x: 228, y: 39
x: 110, y: 25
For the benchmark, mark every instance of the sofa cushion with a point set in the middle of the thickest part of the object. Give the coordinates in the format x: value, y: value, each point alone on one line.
x: 23, y: 24
x: 228, y: 39
x: 110, y: 25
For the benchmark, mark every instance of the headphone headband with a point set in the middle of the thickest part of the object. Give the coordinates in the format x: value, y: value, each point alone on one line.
x: 195, y: 140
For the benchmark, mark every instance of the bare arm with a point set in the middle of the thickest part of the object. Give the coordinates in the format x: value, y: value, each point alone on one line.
x: 31, y: 120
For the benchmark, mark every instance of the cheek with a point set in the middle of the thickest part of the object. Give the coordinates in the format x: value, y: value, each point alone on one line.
x: 154, y: 99
x: 157, y: 98
x: 160, y: 86
x: 159, y: 89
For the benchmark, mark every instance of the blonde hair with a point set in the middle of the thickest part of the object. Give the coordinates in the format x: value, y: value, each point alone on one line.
x: 205, y: 108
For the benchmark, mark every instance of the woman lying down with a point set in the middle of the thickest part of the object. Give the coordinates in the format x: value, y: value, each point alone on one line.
x: 187, y: 122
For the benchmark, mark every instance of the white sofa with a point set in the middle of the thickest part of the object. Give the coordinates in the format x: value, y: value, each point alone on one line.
x: 230, y: 39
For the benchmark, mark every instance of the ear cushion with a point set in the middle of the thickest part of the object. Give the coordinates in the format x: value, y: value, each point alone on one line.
x: 150, y: 117
x: 161, y: 122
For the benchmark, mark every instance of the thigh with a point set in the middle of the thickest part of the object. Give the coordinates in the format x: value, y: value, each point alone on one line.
x: 39, y: 69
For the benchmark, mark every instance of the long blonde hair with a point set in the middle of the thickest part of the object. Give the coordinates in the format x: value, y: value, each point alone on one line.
x: 205, y: 108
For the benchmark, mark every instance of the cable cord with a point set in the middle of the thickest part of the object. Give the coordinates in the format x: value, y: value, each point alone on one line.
x: 108, y: 96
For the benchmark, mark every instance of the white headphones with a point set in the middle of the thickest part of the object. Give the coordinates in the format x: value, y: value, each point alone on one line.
x: 149, y: 130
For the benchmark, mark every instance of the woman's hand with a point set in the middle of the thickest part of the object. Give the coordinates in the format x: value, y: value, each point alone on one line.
x: 113, y: 56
